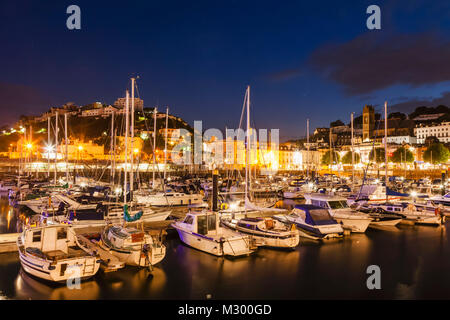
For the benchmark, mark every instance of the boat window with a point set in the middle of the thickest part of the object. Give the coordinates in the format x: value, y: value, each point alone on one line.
x: 62, y: 234
x: 338, y: 204
x: 37, y: 236
x: 202, y: 227
x: 320, y: 215
x: 212, y: 222
x: 188, y: 220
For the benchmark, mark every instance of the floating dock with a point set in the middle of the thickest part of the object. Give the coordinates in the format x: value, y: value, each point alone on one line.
x: 8, y: 242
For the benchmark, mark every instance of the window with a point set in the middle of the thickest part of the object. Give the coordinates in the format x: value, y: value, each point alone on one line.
x: 62, y: 234
x: 212, y: 222
x: 37, y: 236
x: 320, y: 215
x: 188, y: 220
x: 338, y: 204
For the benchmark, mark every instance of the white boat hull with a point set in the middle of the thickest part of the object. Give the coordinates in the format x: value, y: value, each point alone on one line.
x: 353, y: 224
x: 232, y: 246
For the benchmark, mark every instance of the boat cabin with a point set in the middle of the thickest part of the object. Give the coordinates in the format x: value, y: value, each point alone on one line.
x: 202, y: 222
x: 312, y: 215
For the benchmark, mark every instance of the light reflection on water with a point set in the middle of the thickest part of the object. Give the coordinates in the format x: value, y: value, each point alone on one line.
x: 414, y: 263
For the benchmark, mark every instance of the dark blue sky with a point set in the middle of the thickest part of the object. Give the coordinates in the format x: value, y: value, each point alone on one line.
x: 303, y: 59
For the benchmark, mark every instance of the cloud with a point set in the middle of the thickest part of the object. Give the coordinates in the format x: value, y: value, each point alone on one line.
x: 286, y: 74
x: 374, y: 61
x: 17, y: 99
x: 410, y: 105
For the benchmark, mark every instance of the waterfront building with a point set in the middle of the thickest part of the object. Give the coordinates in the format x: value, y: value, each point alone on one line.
x: 438, y: 130
x: 120, y: 103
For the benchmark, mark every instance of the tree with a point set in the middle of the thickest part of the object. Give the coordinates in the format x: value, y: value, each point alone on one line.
x: 430, y: 140
x: 436, y: 153
x: 326, y: 158
x: 397, y: 115
x: 347, y: 158
x: 379, y: 155
x: 402, y: 155
x: 336, y: 123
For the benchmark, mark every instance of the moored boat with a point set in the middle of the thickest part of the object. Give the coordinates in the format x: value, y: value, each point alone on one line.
x: 312, y: 222
x: 266, y: 231
x: 201, y: 230
x: 51, y: 253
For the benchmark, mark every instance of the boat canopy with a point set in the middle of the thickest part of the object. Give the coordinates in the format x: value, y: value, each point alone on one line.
x: 315, y: 215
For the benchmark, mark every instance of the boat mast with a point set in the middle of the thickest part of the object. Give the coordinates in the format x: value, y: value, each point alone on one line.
x: 126, y: 149
x: 331, y: 155
x: 165, y: 143
x: 48, y: 147
x: 353, y: 158
x: 385, y: 149
x: 56, y: 145
x: 132, y: 137
x: 307, y: 148
x: 247, y: 156
x: 112, y: 148
x: 67, y: 158
x: 154, y: 145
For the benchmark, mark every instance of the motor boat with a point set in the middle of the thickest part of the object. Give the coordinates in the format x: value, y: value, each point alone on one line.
x: 169, y: 198
x: 414, y: 214
x: 380, y: 217
x: 312, y: 222
x: 201, y: 230
x: 132, y: 246
x: 338, y: 208
x: 267, y: 232
x: 51, y: 253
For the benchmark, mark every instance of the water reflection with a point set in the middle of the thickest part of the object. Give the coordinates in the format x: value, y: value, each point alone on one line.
x: 28, y: 287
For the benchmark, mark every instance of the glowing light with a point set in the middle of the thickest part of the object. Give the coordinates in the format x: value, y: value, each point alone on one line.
x: 144, y: 136
x: 29, y: 146
x: 49, y: 148
x: 80, y: 148
x: 414, y: 194
x: 118, y: 190
x: 234, y: 206
x: 136, y: 150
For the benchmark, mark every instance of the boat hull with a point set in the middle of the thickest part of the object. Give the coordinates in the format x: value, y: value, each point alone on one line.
x: 235, y: 246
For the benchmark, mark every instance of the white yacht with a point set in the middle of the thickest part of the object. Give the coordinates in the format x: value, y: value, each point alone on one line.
x: 132, y: 246
x: 162, y: 199
x: 201, y: 230
x: 51, y: 253
x: 338, y: 208
x: 266, y: 231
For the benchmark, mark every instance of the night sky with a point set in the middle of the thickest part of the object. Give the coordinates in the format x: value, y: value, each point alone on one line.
x: 302, y: 59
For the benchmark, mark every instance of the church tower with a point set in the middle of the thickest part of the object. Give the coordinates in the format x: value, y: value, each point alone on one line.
x: 368, y: 122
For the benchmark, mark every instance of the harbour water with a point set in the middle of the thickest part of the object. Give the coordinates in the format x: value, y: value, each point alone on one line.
x: 414, y: 263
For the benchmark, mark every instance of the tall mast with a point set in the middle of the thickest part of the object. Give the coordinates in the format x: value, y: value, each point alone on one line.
x: 65, y: 138
x: 126, y: 148
x: 48, y: 147
x: 30, y: 160
x: 165, y: 142
x: 353, y: 156
x: 331, y: 154
x: 132, y: 137
x: 154, y: 145
x: 247, y: 156
x: 56, y: 145
x: 307, y: 148
x: 112, y: 148
x: 385, y: 148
